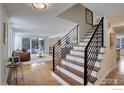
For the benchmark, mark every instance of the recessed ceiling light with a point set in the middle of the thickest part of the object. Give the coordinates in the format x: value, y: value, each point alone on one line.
x: 39, y: 5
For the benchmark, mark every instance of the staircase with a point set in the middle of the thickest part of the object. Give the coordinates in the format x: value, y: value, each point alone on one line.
x: 78, y: 63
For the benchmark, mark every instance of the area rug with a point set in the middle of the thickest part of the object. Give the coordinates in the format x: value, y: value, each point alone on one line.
x: 39, y: 60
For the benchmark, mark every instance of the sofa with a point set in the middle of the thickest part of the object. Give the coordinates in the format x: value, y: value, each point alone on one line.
x: 24, y: 56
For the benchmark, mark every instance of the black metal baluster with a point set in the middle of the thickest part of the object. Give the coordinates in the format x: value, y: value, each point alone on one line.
x: 102, y: 32
x: 60, y: 49
x: 77, y: 34
x: 92, y: 50
x: 53, y: 58
x: 85, y: 67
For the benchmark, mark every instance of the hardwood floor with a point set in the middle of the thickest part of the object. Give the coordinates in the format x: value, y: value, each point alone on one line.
x: 116, y: 76
x: 37, y: 74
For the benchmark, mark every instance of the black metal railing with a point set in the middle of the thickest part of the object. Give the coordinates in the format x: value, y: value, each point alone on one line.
x: 64, y: 45
x: 92, y: 50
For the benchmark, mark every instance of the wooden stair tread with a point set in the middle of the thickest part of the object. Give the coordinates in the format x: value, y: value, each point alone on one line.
x: 92, y: 79
x: 82, y: 65
x: 66, y: 78
x: 78, y: 73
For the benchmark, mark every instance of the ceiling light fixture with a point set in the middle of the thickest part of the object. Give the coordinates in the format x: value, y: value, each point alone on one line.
x: 39, y: 5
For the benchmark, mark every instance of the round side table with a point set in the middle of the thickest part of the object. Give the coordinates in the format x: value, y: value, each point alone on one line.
x: 13, y: 68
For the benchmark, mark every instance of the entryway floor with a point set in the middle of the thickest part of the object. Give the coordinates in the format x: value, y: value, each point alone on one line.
x: 37, y: 74
x: 40, y: 74
x: 116, y: 76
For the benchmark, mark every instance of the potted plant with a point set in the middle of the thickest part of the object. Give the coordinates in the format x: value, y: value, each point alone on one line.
x: 10, y: 60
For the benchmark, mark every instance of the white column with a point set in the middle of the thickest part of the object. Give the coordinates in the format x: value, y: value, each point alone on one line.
x: 10, y: 36
x: 46, y: 44
x: 0, y: 52
x: 30, y: 45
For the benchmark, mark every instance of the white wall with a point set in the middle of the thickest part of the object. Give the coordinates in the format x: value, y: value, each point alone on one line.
x: 109, y: 58
x: 3, y: 47
x: 17, y: 42
x: 10, y: 43
x: 76, y: 14
x: 0, y: 49
x: 52, y: 41
x: 96, y: 18
x: 117, y: 21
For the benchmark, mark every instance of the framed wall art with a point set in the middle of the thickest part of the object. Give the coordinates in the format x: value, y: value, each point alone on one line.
x: 89, y: 16
x: 5, y: 33
x: 112, y: 35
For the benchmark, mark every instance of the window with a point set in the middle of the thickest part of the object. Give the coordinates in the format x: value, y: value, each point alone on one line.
x: 26, y: 44
x: 37, y: 45
x: 33, y: 45
x: 117, y: 43
x: 122, y: 43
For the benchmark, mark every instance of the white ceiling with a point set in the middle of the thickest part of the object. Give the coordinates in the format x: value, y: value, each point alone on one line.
x: 24, y: 17
x: 106, y: 9
x: 119, y: 30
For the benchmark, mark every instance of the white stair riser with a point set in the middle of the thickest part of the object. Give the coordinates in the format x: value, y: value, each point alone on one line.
x: 73, y: 66
x: 71, y: 75
x: 93, y: 73
x: 77, y: 67
x: 83, y: 44
x: 91, y: 30
x: 102, y: 50
x: 81, y: 60
x: 97, y: 64
x: 79, y: 48
x: 78, y: 53
x: 100, y: 56
x: 89, y: 83
x: 86, y: 40
x: 88, y: 36
x: 91, y: 33
x: 59, y: 79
